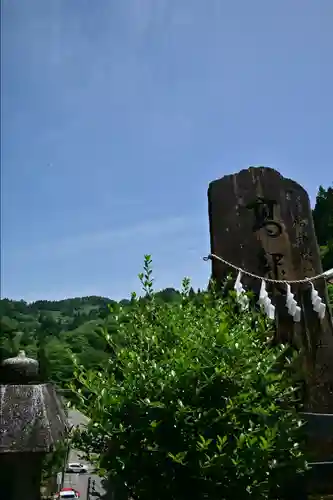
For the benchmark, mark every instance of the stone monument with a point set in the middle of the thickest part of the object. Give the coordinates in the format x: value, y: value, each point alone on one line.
x: 262, y: 222
x: 32, y: 421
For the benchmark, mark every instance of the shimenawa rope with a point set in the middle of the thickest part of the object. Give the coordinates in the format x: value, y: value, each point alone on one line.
x: 265, y: 302
x: 326, y: 274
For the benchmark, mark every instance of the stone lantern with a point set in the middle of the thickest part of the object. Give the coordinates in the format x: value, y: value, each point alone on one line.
x: 32, y: 421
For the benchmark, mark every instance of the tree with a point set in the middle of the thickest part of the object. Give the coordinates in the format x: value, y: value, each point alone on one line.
x: 192, y: 404
x: 10, y: 338
x: 60, y: 367
x: 327, y: 256
x: 323, y: 222
x: 323, y: 215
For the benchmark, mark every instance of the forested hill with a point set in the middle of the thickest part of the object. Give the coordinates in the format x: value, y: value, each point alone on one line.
x: 56, y: 329
x: 61, y: 328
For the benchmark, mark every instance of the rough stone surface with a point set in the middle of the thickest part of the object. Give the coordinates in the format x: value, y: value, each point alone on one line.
x: 262, y: 222
x: 32, y: 418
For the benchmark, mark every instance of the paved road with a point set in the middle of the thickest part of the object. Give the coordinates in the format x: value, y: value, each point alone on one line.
x: 80, y: 481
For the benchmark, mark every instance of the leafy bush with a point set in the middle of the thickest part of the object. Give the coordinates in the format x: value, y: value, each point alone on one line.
x: 192, y: 404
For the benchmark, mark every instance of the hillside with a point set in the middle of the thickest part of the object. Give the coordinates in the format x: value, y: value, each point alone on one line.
x: 56, y: 329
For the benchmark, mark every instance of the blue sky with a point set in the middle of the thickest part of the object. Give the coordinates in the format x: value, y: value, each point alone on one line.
x: 116, y: 114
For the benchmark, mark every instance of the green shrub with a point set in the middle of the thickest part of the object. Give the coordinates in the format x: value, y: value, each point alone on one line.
x: 191, y: 406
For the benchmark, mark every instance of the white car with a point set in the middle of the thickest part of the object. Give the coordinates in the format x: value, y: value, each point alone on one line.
x: 67, y: 493
x: 77, y: 468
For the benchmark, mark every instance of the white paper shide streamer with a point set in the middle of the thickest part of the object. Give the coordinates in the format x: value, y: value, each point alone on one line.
x: 265, y: 302
x: 242, y: 298
x: 293, y: 309
x: 317, y: 303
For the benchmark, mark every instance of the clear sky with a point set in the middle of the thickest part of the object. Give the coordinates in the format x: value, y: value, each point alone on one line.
x: 116, y: 114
